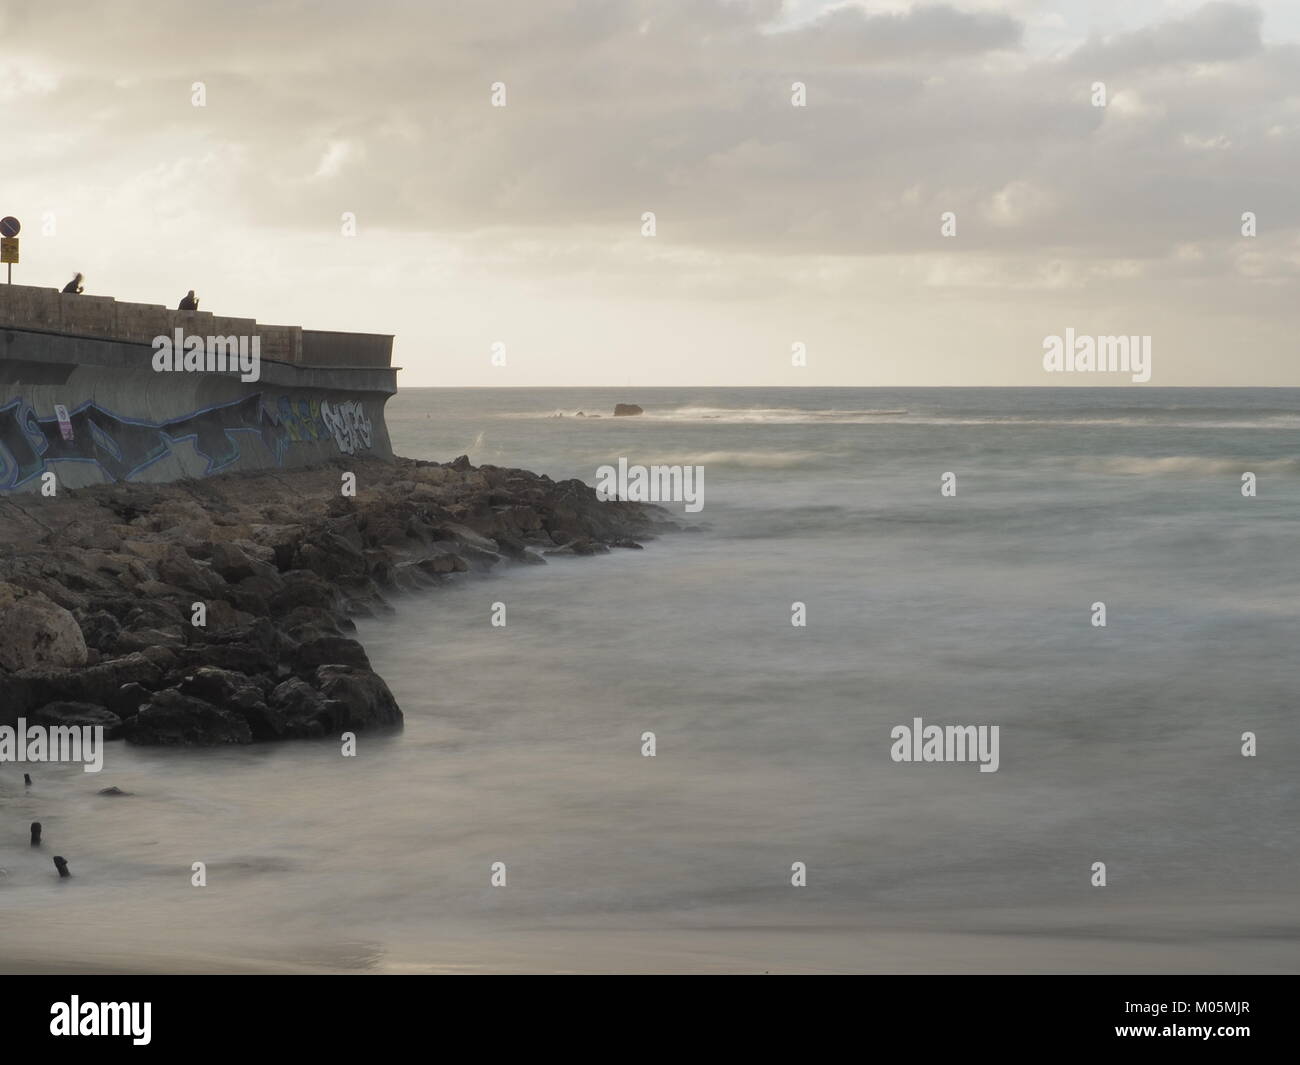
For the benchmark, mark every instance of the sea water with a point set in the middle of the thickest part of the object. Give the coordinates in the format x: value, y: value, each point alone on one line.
x: 524, y: 744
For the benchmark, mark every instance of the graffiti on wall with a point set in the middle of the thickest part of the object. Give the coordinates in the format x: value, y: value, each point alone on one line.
x: 349, y: 424
x: 123, y: 447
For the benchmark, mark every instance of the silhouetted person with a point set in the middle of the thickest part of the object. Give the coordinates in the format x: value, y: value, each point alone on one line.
x: 190, y: 302
x: 74, y: 287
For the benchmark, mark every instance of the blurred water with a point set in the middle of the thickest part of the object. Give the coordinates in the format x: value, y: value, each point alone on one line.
x: 522, y: 744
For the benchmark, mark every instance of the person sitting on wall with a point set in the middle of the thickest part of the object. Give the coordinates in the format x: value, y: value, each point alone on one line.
x: 190, y: 302
x: 74, y: 287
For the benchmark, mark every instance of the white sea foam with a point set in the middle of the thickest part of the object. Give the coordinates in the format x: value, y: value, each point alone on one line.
x: 754, y: 460
x: 727, y: 415
x: 1142, y: 465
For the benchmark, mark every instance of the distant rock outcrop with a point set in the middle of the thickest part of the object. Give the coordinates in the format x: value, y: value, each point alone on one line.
x: 622, y: 409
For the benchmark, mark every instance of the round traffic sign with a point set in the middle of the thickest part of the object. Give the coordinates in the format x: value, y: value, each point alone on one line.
x: 9, y: 226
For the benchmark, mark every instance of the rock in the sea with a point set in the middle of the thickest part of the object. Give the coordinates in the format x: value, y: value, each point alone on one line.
x: 624, y: 409
x: 172, y: 719
x: 359, y: 696
x: 37, y: 633
x: 76, y: 715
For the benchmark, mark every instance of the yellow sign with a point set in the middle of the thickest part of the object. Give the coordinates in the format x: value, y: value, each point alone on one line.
x: 8, y: 249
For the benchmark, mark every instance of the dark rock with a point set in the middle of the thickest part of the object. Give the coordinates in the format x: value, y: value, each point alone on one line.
x: 238, y: 657
x: 329, y: 650
x: 304, y: 588
x: 100, y: 629
x: 173, y: 719
x: 303, y: 710
x: 231, y: 562
x: 363, y: 697
x: 75, y: 715
x: 223, y: 687
x: 626, y: 409
x: 128, y: 699
x: 176, y: 567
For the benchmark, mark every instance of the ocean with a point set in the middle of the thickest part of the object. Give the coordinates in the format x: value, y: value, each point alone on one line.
x: 523, y: 743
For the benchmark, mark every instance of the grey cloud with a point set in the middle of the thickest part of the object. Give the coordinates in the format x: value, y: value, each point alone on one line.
x: 683, y: 108
x: 1215, y: 32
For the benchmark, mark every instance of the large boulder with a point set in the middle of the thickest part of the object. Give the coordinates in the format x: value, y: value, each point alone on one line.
x: 37, y: 633
x: 358, y: 696
x: 622, y: 410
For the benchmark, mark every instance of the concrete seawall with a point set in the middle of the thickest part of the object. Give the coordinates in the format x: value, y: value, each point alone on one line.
x: 89, y: 359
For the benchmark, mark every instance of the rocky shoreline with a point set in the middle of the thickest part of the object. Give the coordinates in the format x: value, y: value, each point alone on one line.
x: 217, y: 611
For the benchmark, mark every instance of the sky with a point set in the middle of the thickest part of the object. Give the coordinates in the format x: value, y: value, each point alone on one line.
x: 518, y: 229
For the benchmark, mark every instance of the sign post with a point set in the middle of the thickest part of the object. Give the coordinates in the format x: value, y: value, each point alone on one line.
x: 10, y: 227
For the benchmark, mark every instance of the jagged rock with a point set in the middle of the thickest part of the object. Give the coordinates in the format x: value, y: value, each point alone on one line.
x: 231, y: 563
x: 362, y: 697
x: 243, y: 695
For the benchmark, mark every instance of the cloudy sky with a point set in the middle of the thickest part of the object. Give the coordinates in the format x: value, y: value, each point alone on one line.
x: 775, y: 224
